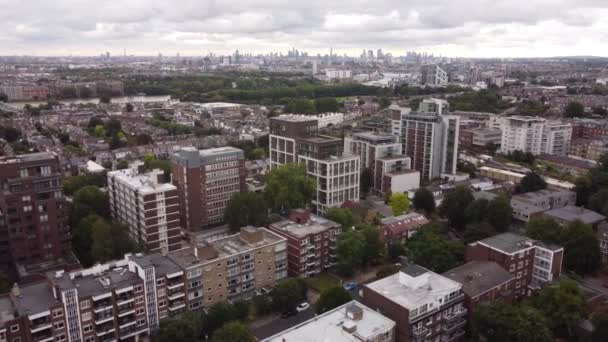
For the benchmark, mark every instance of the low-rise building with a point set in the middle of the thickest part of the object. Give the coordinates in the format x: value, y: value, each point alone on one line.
x: 563, y: 163
x: 148, y: 204
x: 311, y: 242
x: 533, y: 204
x: 571, y: 213
x: 402, y: 227
x: 483, y: 282
x: 425, y: 306
x: 533, y: 263
x: 393, y: 174
x: 351, y: 322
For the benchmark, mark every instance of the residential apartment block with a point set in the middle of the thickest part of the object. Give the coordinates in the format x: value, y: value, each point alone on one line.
x: 402, y: 227
x: 148, y: 204
x: 533, y: 204
x: 311, y: 242
x: 125, y: 300
x: 295, y: 139
x: 533, y: 263
x: 433, y: 75
x: 350, y: 322
x: 34, y: 235
x: 381, y: 154
x: 206, y: 181
x: 425, y: 306
x: 570, y: 213
x: 430, y: 139
x: 535, y: 135
x: 483, y: 282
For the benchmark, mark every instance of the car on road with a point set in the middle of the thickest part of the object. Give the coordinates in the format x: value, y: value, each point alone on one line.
x: 302, y: 307
x: 288, y: 314
x: 350, y: 286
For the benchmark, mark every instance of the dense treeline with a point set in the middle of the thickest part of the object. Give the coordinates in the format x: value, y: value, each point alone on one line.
x: 485, y: 100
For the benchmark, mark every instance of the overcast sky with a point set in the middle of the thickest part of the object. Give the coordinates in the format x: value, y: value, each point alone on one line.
x: 469, y: 28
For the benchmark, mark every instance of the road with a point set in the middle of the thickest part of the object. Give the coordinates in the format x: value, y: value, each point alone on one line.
x: 281, y: 324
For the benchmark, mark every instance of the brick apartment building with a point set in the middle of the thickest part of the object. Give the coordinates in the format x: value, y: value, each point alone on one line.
x: 533, y: 263
x: 425, y: 306
x: 483, y: 282
x: 206, y: 180
x: 311, y: 242
x: 148, y: 204
x: 125, y: 300
x: 402, y: 227
x: 34, y: 235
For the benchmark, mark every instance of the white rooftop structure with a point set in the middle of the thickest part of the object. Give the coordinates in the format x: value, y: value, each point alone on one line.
x: 417, y: 289
x: 144, y: 183
x: 351, y: 322
x: 93, y: 167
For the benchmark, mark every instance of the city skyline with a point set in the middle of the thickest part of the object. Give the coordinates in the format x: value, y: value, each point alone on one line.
x: 464, y: 28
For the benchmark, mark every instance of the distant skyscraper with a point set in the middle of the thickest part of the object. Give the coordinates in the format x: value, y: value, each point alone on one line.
x: 433, y: 75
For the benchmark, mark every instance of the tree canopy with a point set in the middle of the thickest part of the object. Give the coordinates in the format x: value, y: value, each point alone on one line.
x: 500, y: 213
x: 424, y: 200
x: 454, y: 206
x: 531, y: 182
x: 574, y: 110
x: 246, y: 208
x: 233, y: 332
x: 343, y: 216
x: 288, y: 294
x: 562, y: 305
x: 502, y: 322
x: 544, y: 229
x: 399, y: 203
x: 289, y: 187
x: 332, y: 298
x: 430, y: 249
x: 581, y: 248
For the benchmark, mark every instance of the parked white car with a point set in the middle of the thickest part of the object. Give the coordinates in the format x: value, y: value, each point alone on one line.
x: 302, y: 307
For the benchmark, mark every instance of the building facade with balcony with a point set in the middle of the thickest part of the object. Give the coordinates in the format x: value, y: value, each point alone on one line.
x: 125, y: 300
x: 424, y: 305
x: 148, y: 204
x: 34, y: 235
x: 535, y: 135
x: 311, y: 242
x: 533, y: 263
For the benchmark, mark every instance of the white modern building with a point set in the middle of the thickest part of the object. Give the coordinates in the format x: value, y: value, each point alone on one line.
x: 351, y: 322
x: 430, y: 138
x: 338, y: 74
x: 326, y: 119
x: 294, y: 138
x: 148, y: 204
x: 535, y: 135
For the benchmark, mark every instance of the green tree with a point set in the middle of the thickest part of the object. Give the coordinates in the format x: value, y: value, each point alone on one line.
x: 326, y: 104
x: 83, y: 239
x: 477, y: 210
x: 599, y: 201
x: 581, y: 248
x: 343, y: 216
x: 500, y: 213
x: 428, y: 248
x: 478, y: 231
x: 122, y: 164
x: 374, y: 246
x: 112, y: 127
x: 399, y: 203
x: 143, y: 139
x: 502, y: 322
x: 233, y: 332
x: 544, y: 229
x: 454, y: 206
x: 75, y: 183
x: 99, y: 131
x: 289, y: 187
x: 301, y: 106
x: 563, y: 305
x: 331, y: 298
x: 574, y: 110
x: 424, y: 200
x: 288, y: 294
x: 350, y: 251
x: 102, y: 248
x: 262, y: 305
x: 246, y: 208
x: 5, y: 284
x: 384, y: 102
x: 86, y: 201
x: 531, y: 182
x: 185, y: 328
x: 219, y: 314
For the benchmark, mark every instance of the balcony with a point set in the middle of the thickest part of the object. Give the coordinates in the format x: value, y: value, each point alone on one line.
x: 310, y: 247
x: 453, y: 300
x: 452, y: 326
x: 176, y: 285
x: 126, y: 323
x: 40, y: 326
x: 103, y: 306
x: 453, y: 337
x: 176, y: 295
x: 105, y: 331
x: 455, y: 314
x: 132, y: 331
x: 103, y: 318
x: 420, y: 331
x: 48, y: 337
x: 178, y: 305
x: 126, y: 309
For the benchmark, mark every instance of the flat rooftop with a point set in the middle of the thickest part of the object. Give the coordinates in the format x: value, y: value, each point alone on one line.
x: 317, y: 224
x: 478, y: 277
x: 571, y: 213
x: 7, y: 310
x: 30, y: 157
x: 375, y: 136
x: 219, y: 150
x: 414, y: 286
x: 331, y: 326
x: 115, y: 275
x: 145, y: 183
x: 34, y: 298
x: 295, y: 118
x: 508, y: 242
x: 539, y: 195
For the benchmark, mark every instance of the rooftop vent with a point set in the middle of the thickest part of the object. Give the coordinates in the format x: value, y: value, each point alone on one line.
x: 349, y: 326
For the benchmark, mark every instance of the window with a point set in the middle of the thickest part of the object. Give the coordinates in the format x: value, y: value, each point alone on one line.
x: 141, y: 322
x: 58, y: 325
x: 140, y: 311
x: 45, y: 170
x: 26, y: 198
x: 86, y: 316
x: 14, y: 328
x: 160, y: 292
x: 140, y: 299
x: 27, y: 208
x: 57, y: 312
x: 85, y: 304
x: 138, y: 288
x: 87, y: 328
x: 160, y: 281
x: 89, y: 339
x: 60, y: 338
x: 23, y: 173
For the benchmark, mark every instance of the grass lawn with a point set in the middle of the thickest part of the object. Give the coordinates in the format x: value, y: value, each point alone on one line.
x: 321, y: 282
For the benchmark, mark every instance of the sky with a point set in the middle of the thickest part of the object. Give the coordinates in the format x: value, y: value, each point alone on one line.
x: 456, y: 28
